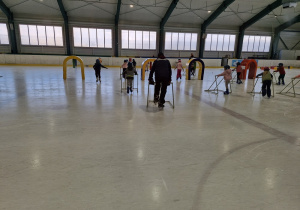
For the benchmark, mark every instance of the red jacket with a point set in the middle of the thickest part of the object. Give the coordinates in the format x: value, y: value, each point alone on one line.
x: 280, y: 70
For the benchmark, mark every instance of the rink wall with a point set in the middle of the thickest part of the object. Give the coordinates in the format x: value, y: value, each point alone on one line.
x: 57, y: 60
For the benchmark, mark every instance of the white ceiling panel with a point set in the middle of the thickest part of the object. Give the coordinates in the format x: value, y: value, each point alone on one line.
x: 91, y: 13
x: 91, y: 9
x: 33, y: 8
x: 140, y: 16
x: 227, y: 19
x: 190, y: 13
x: 295, y: 27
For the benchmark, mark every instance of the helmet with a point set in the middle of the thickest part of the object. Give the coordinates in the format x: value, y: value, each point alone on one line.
x: 226, y: 67
x: 280, y: 64
x: 238, y: 63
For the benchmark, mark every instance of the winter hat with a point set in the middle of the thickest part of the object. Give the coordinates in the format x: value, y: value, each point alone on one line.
x: 161, y: 55
x: 226, y: 67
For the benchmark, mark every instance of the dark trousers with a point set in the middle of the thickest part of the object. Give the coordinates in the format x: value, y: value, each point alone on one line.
x: 266, y: 88
x: 97, y: 73
x: 238, y: 77
x: 129, y: 82
x: 281, y: 76
x: 160, y: 87
x: 123, y: 73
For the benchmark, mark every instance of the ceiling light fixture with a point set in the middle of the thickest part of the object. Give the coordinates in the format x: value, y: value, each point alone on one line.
x: 275, y: 16
x: 131, y: 5
x: 209, y: 11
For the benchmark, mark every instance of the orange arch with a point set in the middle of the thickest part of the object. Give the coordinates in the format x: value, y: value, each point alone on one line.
x: 144, y: 64
x: 251, y: 65
x: 65, y: 66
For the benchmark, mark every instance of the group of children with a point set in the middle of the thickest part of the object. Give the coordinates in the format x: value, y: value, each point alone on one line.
x: 129, y: 70
x: 266, y: 77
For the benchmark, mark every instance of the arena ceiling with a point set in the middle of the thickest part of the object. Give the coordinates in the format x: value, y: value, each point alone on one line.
x: 187, y: 13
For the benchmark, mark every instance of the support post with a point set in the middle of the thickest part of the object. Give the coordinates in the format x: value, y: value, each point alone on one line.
x: 66, y: 25
x: 11, y: 27
x: 117, y: 17
x: 207, y: 22
x: 163, y: 22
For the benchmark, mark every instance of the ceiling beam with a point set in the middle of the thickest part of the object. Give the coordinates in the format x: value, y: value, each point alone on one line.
x: 287, y: 24
x: 11, y: 27
x: 253, y: 20
x: 164, y: 21
x: 277, y: 34
x: 284, y: 44
x: 117, y: 17
x: 261, y: 14
x: 209, y: 20
x: 66, y: 24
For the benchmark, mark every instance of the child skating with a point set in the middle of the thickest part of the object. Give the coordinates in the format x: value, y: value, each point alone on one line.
x: 124, y: 67
x: 281, y: 71
x: 97, y: 67
x: 238, y: 72
x: 179, y: 68
x: 129, y: 73
x: 227, y: 77
x: 267, y: 81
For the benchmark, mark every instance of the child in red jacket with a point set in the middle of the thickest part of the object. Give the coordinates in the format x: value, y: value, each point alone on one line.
x: 239, y: 72
x: 281, y: 71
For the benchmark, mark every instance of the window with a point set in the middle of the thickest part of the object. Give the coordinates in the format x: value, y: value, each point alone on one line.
x: 3, y: 34
x: 92, y: 37
x: 180, y: 41
x: 145, y: 40
x: 219, y: 42
x: 41, y: 35
x: 256, y: 44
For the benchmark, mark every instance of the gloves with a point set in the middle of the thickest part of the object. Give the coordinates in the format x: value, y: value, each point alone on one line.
x: 151, y: 81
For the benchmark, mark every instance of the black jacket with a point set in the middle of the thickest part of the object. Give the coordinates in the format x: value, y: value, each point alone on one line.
x: 98, y: 66
x: 162, y: 69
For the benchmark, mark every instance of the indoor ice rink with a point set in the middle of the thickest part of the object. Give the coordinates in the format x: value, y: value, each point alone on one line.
x: 75, y: 143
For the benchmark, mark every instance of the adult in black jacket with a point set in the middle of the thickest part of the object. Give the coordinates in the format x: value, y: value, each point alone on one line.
x: 97, y: 67
x: 162, y: 69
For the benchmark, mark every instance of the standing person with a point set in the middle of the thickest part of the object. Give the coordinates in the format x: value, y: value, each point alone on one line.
x: 179, y: 68
x: 227, y: 77
x: 130, y: 72
x: 124, y: 67
x: 281, y: 71
x: 192, y: 56
x: 238, y: 72
x: 134, y: 63
x: 162, y: 69
x: 97, y: 67
x: 267, y: 81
